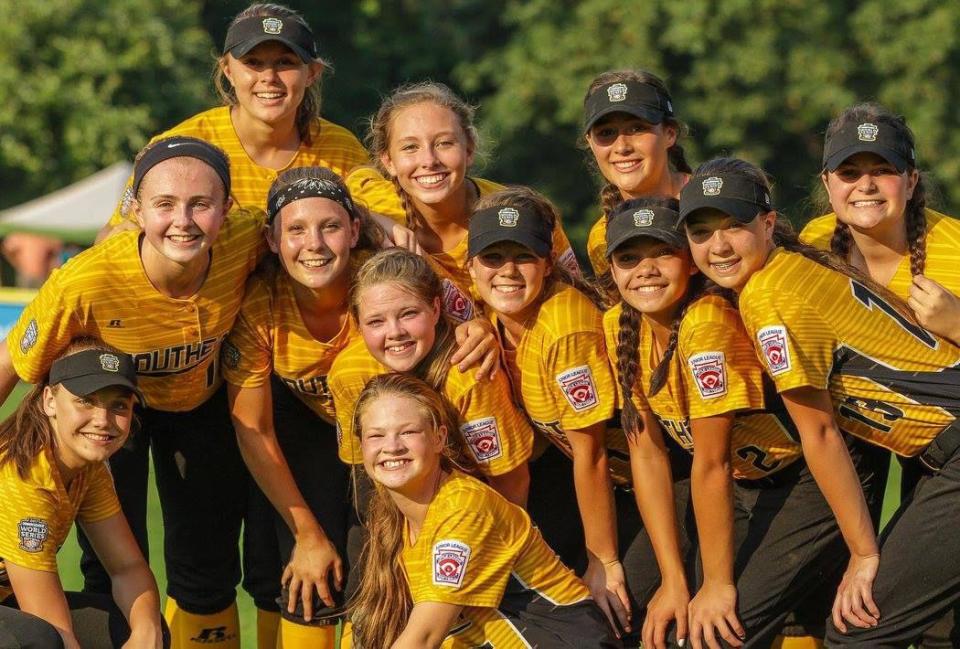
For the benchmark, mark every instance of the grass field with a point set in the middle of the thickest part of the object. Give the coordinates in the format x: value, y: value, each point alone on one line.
x: 69, y: 556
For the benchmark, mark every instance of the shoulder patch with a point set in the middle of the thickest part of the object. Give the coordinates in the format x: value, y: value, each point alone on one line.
x: 33, y: 532
x: 450, y: 560
x: 578, y: 387
x: 230, y: 355
x: 568, y: 261
x: 709, y: 371
x: 483, y: 436
x: 776, y: 351
x: 455, y: 304
x: 29, y: 338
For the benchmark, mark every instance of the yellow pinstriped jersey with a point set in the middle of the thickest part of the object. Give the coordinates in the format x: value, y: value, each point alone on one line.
x: 714, y: 371
x: 562, y: 378
x: 334, y: 147
x: 38, y: 511
x: 892, y: 382
x: 175, y: 343
x: 942, y: 250
x: 271, y: 337
x: 496, y: 432
x: 472, y: 549
x: 597, y: 246
x: 379, y: 195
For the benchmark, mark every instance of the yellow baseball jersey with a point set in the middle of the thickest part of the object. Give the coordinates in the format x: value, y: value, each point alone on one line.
x: 334, y: 147
x: 714, y: 371
x: 496, y: 432
x: 562, y: 378
x: 379, y: 195
x: 942, y: 251
x: 475, y: 549
x: 597, y: 246
x: 270, y: 336
x: 893, y: 383
x: 175, y: 343
x: 38, y: 511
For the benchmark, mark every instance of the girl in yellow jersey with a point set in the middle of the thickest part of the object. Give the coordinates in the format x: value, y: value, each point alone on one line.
x: 449, y: 561
x: 293, y: 322
x: 634, y: 137
x: 553, y: 345
x: 847, y: 357
x: 682, y: 353
x: 167, y: 295
x: 396, y: 300
x: 424, y: 140
x: 53, y: 453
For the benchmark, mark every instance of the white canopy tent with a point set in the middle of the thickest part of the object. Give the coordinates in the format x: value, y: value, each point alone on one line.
x: 73, y: 214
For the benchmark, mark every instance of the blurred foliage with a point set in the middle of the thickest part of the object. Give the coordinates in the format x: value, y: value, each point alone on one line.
x: 89, y: 82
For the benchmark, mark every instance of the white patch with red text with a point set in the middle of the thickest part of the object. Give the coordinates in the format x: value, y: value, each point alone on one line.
x: 568, y: 261
x: 457, y: 305
x: 709, y: 371
x: 773, y: 344
x: 450, y: 563
x: 483, y: 436
x: 578, y: 386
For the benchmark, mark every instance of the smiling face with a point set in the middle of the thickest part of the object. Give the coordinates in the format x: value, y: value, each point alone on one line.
x: 428, y: 153
x: 398, y: 327
x: 88, y: 429
x: 181, y: 207
x: 867, y: 192
x: 632, y: 153
x: 727, y: 251
x: 269, y: 81
x: 652, y: 276
x: 509, y: 278
x: 313, y: 238
x: 400, y: 446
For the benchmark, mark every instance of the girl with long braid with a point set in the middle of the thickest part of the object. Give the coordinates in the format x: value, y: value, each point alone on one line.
x: 848, y: 358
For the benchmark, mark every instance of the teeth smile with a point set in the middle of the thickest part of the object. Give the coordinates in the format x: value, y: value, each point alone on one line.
x: 627, y: 164
x: 396, y: 349
x: 508, y: 289
x: 431, y: 180
x: 725, y: 265
x: 648, y: 289
x: 866, y: 203
x: 314, y: 263
x: 96, y: 437
x: 269, y: 95
x: 393, y: 464
x: 182, y: 238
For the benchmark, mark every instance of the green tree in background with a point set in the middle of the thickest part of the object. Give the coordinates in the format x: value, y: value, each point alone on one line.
x: 85, y: 83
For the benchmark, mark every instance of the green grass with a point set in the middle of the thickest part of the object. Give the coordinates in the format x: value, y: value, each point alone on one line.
x: 69, y: 556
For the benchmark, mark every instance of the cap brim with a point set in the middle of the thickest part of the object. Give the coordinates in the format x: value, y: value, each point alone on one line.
x: 86, y: 385
x: 742, y: 211
x: 243, y: 47
x: 480, y: 243
x: 672, y: 237
x: 890, y: 155
x: 647, y: 113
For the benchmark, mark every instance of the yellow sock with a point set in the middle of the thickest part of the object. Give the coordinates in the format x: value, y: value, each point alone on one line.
x: 191, y: 631
x: 301, y: 636
x: 346, y: 635
x: 268, y: 622
x: 804, y: 642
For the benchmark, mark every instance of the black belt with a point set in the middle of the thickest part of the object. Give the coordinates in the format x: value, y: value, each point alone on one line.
x: 942, y: 448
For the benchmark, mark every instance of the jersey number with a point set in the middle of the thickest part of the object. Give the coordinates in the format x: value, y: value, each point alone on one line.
x: 757, y: 458
x: 886, y: 411
x: 870, y: 299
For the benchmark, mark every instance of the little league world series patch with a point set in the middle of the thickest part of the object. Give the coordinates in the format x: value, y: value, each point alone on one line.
x: 483, y: 436
x: 773, y: 344
x: 33, y: 532
x: 578, y: 387
x: 709, y: 371
x: 450, y: 563
x: 455, y: 303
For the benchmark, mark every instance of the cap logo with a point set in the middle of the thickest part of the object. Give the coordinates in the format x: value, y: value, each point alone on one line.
x: 109, y: 363
x: 508, y: 217
x: 272, y: 26
x: 643, y: 218
x: 669, y: 106
x: 712, y: 185
x: 867, y: 132
x: 617, y: 92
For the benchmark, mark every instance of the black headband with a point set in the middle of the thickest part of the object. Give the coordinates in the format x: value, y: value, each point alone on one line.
x: 309, y: 188
x: 182, y: 147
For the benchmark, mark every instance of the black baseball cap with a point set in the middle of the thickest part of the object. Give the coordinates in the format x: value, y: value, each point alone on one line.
x: 732, y: 194
x: 889, y: 143
x: 247, y: 33
x: 638, y: 217
x: 86, y: 372
x: 641, y: 100
x: 518, y: 224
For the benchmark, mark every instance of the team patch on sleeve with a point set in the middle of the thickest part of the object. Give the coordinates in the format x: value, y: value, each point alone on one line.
x: 709, y: 371
x: 230, y: 355
x: 29, y: 338
x: 483, y: 436
x: 33, y: 532
x: 773, y: 344
x: 568, y: 261
x: 450, y: 560
x: 578, y: 387
x: 457, y: 305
